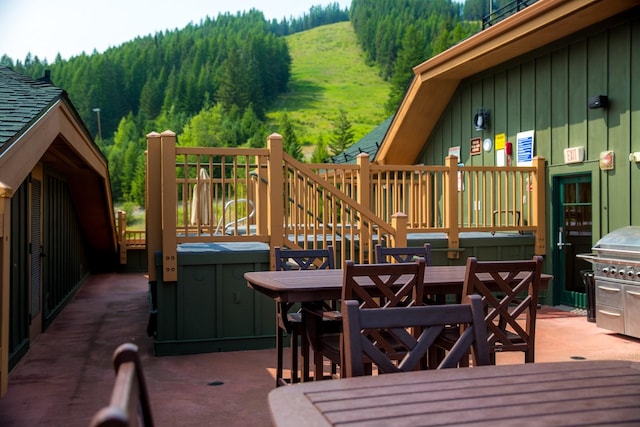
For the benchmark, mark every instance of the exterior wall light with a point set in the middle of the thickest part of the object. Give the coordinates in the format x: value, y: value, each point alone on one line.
x: 598, y: 101
x: 481, y: 120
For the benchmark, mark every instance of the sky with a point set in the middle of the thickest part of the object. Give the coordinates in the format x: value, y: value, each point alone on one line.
x: 70, y: 27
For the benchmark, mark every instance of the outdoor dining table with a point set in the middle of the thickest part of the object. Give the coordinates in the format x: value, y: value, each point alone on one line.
x: 595, y: 393
x: 309, y: 286
x: 321, y: 285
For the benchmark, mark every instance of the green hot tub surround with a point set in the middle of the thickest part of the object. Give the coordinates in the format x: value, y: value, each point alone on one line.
x: 210, y: 308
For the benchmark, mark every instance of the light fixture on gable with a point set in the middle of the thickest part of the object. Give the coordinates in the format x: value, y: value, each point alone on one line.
x: 481, y: 120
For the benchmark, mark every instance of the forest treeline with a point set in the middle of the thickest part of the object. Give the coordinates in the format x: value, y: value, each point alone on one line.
x: 214, y: 82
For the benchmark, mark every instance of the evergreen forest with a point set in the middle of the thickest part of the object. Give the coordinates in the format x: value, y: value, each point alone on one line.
x: 215, y: 83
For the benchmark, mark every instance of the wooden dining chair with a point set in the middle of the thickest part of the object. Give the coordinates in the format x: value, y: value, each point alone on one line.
x: 386, y: 254
x: 397, y: 323
x: 129, y: 404
x: 374, y: 286
x: 509, y: 291
x: 291, y: 323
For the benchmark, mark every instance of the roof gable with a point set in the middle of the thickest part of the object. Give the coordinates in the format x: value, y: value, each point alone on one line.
x: 436, y: 80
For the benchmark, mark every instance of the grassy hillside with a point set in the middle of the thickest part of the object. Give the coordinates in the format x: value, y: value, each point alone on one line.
x: 329, y: 74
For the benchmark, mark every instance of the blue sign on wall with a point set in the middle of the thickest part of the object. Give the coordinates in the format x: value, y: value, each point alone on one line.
x: 524, y: 147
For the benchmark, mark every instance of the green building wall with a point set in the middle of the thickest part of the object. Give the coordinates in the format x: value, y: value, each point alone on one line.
x: 547, y: 91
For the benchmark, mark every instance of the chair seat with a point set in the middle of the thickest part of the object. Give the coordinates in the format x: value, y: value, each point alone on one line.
x: 294, y: 317
x: 451, y: 334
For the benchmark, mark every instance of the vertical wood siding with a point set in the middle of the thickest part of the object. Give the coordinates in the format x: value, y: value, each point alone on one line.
x: 547, y: 91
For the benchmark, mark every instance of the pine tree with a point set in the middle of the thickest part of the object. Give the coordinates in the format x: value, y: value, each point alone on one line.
x: 411, y: 54
x: 290, y: 142
x: 320, y: 154
x: 342, y: 136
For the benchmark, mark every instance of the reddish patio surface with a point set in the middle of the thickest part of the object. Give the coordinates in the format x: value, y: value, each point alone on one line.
x: 67, y: 374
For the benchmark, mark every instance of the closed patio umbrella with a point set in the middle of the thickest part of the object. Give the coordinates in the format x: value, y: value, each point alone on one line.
x: 201, y: 200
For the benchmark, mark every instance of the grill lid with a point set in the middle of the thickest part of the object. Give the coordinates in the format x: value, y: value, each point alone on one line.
x: 622, y: 244
x: 623, y: 239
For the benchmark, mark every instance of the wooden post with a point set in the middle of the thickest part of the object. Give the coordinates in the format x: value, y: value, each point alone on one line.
x: 5, y: 283
x: 276, y: 182
x: 122, y: 233
x: 169, y: 206
x: 539, y: 205
x: 261, y: 188
x: 153, y: 202
x: 451, y: 207
x: 363, y: 196
x: 399, y: 223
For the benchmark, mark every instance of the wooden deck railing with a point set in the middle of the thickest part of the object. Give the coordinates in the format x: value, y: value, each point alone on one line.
x: 198, y: 194
x: 129, y: 239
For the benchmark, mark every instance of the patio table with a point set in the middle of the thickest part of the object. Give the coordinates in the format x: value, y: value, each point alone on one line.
x: 309, y: 286
x: 320, y: 285
x: 532, y: 394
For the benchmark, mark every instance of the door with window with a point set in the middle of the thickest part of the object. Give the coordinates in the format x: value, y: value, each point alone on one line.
x: 572, y: 225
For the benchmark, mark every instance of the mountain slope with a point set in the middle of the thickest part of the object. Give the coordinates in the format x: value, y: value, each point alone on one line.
x: 329, y: 74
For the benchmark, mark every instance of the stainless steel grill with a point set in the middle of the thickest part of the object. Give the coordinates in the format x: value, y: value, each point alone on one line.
x: 616, y: 262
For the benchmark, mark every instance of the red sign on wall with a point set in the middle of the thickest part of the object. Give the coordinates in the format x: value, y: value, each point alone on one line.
x: 476, y: 146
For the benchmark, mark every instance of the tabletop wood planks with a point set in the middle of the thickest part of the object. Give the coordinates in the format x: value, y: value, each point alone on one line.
x: 564, y: 393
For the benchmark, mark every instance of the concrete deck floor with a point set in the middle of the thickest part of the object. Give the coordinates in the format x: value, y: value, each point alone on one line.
x: 67, y: 374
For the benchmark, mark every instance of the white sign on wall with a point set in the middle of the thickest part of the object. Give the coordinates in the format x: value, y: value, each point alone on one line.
x: 455, y: 151
x: 574, y: 155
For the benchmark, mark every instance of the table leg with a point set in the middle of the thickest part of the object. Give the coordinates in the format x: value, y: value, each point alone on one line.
x: 279, y: 350
x: 281, y: 325
x: 304, y: 349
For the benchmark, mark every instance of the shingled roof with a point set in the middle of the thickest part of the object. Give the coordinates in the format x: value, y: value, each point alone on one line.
x: 370, y: 144
x: 23, y: 101
x: 40, y: 125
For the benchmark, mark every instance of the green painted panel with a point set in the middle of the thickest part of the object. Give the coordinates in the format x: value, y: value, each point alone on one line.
x: 543, y: 107
x: 501, y: 104
x: 559, y: 106
x: 618, y: 119
x: 196, y: 296
x: 514, y: 97
x: 635, y: 120
x: 527, y: 96
x: 467, y: 111
x: 237, y: 314
x: 167, y: 309
x: 456, y: 129
x: 596, y: 85
x: 577, y: 96
x: 446, y: 131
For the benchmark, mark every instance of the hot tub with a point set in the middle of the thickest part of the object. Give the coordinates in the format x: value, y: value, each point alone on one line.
x: 210, y: 308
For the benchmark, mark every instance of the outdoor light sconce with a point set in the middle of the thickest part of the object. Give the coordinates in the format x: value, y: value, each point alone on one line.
x: 598, y: 101
x: 481, y: 120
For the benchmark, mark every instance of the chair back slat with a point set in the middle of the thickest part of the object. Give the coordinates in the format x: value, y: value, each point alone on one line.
x: 304, y: 259
x: 401, y: 323
x: 509, y: 291
x: 386, y: 254
x: 129, y: 404
x: 384, y: 285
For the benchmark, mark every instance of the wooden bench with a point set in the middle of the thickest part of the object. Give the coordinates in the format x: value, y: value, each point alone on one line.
x: 129, y: 405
